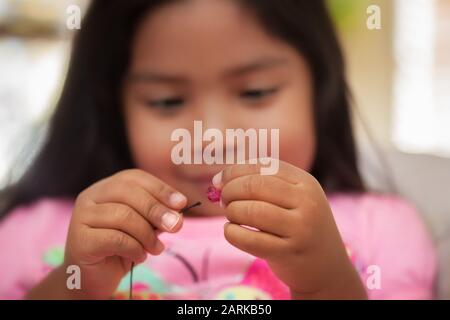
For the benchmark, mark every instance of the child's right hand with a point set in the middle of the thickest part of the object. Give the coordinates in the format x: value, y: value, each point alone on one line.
x: 115, y: 222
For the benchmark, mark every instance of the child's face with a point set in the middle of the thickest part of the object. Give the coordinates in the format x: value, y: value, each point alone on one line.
x: 212, y: 61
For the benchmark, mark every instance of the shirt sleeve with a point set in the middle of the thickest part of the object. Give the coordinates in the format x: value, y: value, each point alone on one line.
x: 24, y: 233
x: 12, y: 229
x: 400, y: 251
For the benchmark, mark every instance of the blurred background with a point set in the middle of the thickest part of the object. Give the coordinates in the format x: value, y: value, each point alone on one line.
x: 399, y: 76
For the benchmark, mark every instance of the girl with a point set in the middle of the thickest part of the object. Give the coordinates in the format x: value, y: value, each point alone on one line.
x: 104, y: 187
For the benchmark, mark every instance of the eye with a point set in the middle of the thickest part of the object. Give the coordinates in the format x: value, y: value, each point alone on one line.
x: 167, y: 103
x: 257, y: 94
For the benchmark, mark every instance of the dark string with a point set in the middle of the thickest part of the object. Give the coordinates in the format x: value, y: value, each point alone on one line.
x: 130, y: 297
x: 187, y: 265
x: 184, y: 210
x: 190, y: 207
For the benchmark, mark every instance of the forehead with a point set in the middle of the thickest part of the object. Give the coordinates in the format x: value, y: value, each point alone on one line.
x: 213, y: 34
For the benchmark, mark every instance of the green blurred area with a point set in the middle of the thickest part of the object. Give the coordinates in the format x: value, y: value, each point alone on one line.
x: 347, y: 13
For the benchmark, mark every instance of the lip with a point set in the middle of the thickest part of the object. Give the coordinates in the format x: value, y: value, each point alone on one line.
x: 199, y: 175
x: 199, y: 183
x: 200, y: 178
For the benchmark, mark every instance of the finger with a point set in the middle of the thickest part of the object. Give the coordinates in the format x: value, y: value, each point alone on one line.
x: 101, y: 243
x: 286, y: 172
x: 257, y: 187
x: 261, y: 215
x: 124, y: 218
x: 257, y: 243
x: 157, y: 188
x: 134, y: 196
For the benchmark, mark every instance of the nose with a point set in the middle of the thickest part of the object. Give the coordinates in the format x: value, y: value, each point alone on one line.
x: 216, y: 114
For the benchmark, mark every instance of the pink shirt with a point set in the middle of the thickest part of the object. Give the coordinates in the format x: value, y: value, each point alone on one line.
x: 384, y: 236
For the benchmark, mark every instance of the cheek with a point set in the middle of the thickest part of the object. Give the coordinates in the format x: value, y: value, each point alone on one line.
x: 149, y: 140
x: 297, y: 135
x: 298, y: 145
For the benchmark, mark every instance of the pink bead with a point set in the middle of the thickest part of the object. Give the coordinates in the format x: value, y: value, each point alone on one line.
x: 213, y: 194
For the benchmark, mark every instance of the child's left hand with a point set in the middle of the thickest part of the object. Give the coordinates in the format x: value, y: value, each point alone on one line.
x: 296, y: 233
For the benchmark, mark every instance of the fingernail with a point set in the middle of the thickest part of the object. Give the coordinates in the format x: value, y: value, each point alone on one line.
x: 169, y: 220
x: 177, y: 199
x: 221, y: 204
x: 217, y: 180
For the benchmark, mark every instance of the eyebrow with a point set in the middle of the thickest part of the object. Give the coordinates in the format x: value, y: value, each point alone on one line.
x: 256, y: 66
x: 149, y: 76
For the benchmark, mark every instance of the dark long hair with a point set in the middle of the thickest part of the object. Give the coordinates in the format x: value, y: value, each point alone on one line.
x: 86, y: 139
